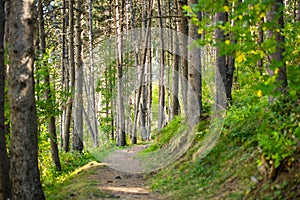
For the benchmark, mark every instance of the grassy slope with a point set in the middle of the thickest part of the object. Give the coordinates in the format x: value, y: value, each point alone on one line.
x: 229, y: 171
x: 78, y: 185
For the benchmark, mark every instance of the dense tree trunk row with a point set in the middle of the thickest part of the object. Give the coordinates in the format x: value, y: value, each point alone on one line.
x: 48, y: 93
x: 126, y: 87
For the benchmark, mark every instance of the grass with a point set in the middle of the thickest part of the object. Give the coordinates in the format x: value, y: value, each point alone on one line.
x: 77, y: 185
x: 224, y: 173
x: 231, y: 169
x: 162, y: 137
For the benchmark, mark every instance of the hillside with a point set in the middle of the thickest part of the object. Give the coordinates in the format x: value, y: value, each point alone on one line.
x: 236, y: 168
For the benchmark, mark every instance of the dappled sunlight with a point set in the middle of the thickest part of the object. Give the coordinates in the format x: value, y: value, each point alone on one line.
x: 88, y: 166
x: 135, y: 190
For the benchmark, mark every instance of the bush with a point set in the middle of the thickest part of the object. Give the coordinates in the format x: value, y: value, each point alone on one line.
x: 244, y: 116
x: 70, y: 161
x: 274, y: 127
x: 279, y: 133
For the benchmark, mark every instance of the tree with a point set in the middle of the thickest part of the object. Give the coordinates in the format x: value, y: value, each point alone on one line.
x: 48, y: 93
x: 275, y: 16
x: 221, y: 69
x: 24, y: 172
x: 194, y: 72
x: 92, y: 75
x: 222, y: 36
x: 138, y: 82
x: 78, y: 90
x: 64, y: 73
x: 4, y: 164
x: 161, y: 109
x: 230, y: 60
x: 183, y: 43
x: 141, y: 76
x: 175, y: 73
x: 119, y: 58
x: 72, y: 77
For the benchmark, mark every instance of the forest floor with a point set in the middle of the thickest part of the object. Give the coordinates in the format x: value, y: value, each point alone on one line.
x: 96, y: 181
x: 226, y: 173
x: 116, y: 179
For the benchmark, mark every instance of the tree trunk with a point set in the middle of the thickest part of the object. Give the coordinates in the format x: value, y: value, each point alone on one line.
x: 161, y: 108
x: 175, y: 77
x: 136, y: 65
x: 141, y: 75
x: 24, y: 172
x: 175, y: 106
x: 48, y: 93
x: 120, y: 101
x: 64, y: 73
x: 72, y: 77
x: 144, y: 112
x: 194, y: 71
x: 275, y: 16
x: 92, y: 75
x: 149, y: 90
x: 220, y: 76
x: 183, y: 42
x: 149, y: 72
x: 230, y: 60
x: 78, y: 101
x: 53, y: 143
x: 4, y: 164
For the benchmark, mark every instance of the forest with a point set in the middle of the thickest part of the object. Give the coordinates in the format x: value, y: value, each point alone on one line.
x: 149, y: 99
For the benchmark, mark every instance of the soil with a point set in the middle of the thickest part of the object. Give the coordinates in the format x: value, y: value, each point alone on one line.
x: 118, y: 177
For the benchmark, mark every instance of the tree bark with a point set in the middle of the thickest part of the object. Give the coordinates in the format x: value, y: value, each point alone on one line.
x: 161, y: 108
x: 141, y: 75
x: 183, y: 42
x: 72, y: 77
x: 175, y: 77
x: 194, y: 71
x: 78, y: 101
x: 120, y: 101
x: 48, y: 93
x: 5, y: 187
x: 64, y: 73
x: 275, y: 16
x: 220, y: 76
x: 149, y: 90
x: 92, y: 75
x: 230, y: 60
x: 175, y: 106
x: 24, y: 172
x: 136, y: 65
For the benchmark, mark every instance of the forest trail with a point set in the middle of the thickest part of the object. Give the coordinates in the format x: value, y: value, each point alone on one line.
x: 121, y: 184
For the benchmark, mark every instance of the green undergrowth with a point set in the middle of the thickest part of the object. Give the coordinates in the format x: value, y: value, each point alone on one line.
x: 163, y: 136
x: 78, y: 185
x: 70, y: 162
x: 224, y: 173
x: 256, y: 156
x: 71, y: 179
x: 104, y: 150
x: 75, y: 180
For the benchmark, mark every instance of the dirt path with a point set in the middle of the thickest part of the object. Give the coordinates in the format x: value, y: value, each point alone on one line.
x: 115, y: 178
